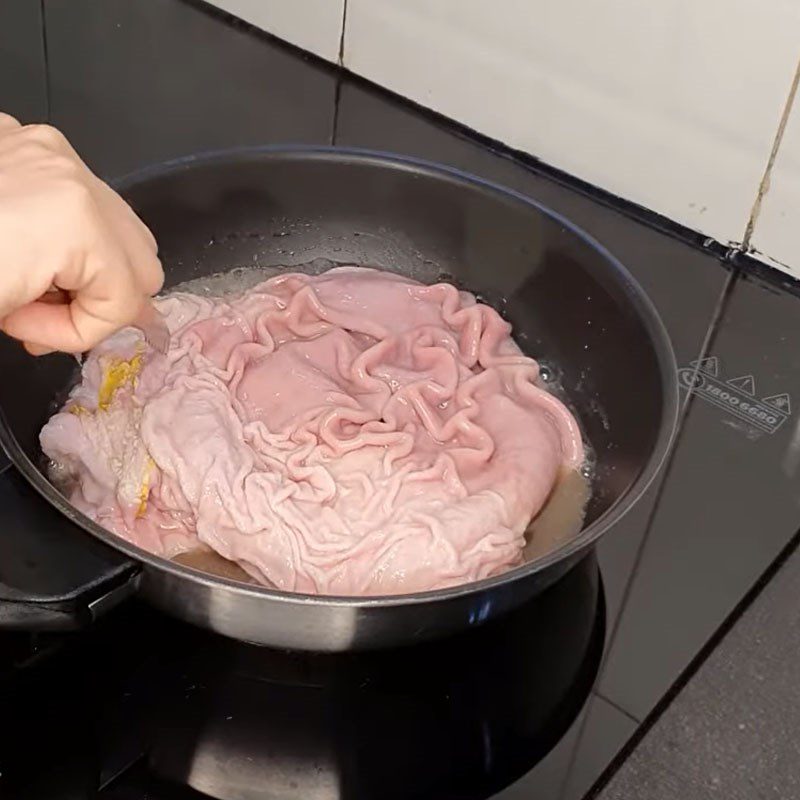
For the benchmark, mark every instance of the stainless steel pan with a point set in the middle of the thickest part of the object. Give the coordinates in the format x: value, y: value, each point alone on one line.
x: 570, y: 302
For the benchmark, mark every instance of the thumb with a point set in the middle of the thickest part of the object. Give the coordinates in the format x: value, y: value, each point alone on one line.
x: 37, y: 349
x: 69, y: 327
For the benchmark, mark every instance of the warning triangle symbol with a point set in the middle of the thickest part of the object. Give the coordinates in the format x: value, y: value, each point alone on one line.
x: 708, y: 365
x: 779, y: 401
x: 745, y: 384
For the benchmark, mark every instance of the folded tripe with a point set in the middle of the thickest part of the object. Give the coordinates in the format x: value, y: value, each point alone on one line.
x: 351, y: 433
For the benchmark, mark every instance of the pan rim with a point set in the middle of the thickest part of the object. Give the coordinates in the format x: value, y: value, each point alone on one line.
x: 586, y: 537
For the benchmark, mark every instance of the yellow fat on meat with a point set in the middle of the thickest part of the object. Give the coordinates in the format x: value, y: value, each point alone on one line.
x: 116, y: 374
x: 144, y: 491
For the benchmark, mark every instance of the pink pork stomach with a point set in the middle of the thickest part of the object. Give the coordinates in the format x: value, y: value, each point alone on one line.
x: 352, y: 433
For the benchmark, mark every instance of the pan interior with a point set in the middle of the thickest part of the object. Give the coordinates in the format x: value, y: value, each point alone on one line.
x: 570, y: 305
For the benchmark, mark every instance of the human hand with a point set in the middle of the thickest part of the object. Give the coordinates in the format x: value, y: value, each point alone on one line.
x: 76, y: 263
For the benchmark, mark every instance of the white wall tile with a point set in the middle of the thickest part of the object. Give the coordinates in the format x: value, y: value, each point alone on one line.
x: 314, y: 25
x: 776, y: 236
x: 671, y: 104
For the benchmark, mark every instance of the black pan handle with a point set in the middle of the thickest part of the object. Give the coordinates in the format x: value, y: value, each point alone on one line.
x: 53, y: 575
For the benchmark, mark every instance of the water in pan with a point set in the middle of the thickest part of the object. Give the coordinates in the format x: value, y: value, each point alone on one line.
x: 240, y: 279
x: 560, y: 520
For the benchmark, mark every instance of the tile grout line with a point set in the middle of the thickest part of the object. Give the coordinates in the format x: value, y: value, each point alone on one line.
x: 340, y: 60
x: 617, y: 707
x: 45, y: 55
x: 337, y: 98
x: 340, y: 74
x: 764, y: 185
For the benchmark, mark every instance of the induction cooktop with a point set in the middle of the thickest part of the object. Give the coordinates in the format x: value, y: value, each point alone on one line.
x: 545, y: 703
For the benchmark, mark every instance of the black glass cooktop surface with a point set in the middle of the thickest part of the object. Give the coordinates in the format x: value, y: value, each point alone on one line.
x: 538, y: 705
x: 141, y: 704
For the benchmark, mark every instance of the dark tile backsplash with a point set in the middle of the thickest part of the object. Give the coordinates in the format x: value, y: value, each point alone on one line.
x: 128, y: 92
x: 23, y: 87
